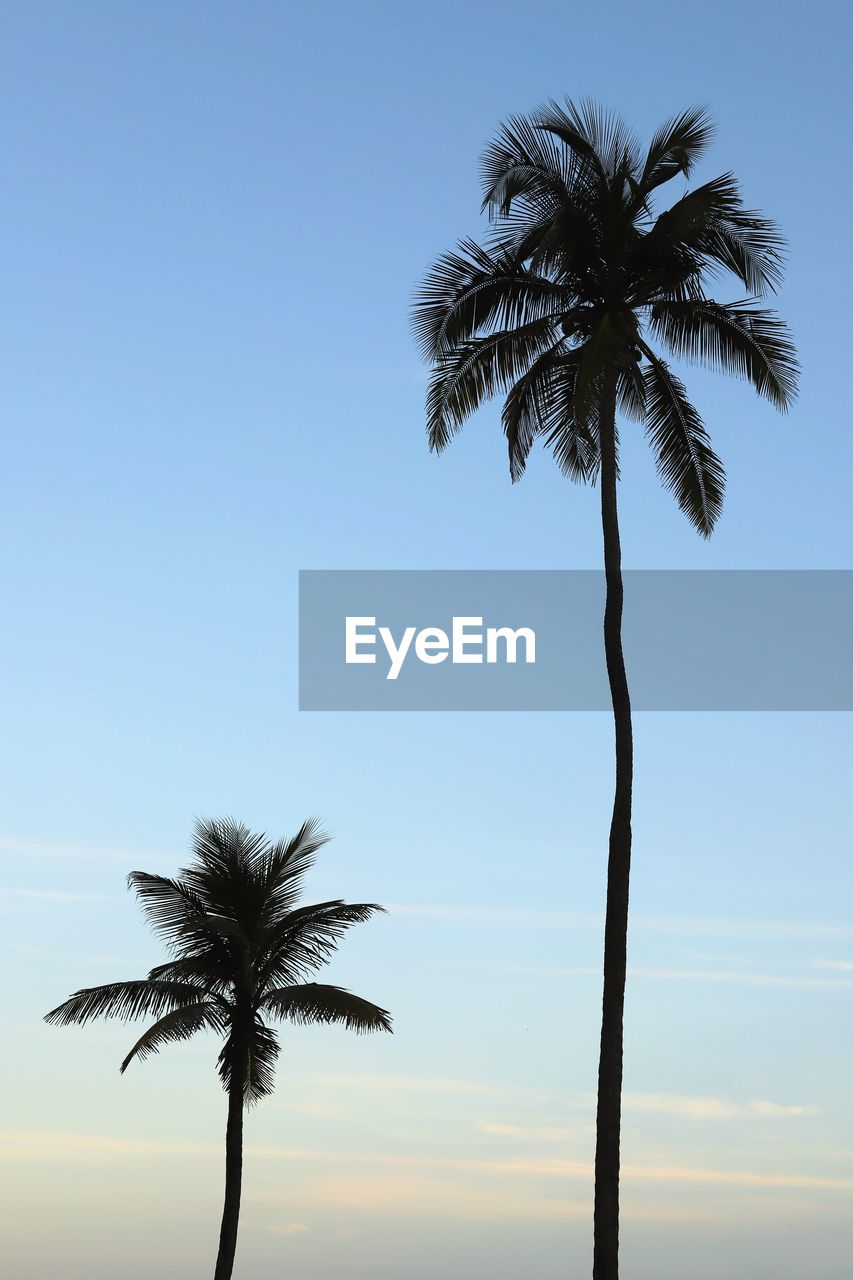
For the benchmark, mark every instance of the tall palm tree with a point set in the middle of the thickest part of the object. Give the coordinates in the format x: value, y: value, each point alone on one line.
x: 561, y: 310
x: 241, y: 950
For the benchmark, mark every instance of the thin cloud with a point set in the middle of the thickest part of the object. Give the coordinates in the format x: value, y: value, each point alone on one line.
x: 289, y: 1228
x: 12, y: 847
x: 409, y: 1084
x: 698, y: 1108
x: 763, y: 1108
x: 320, y: 1110
x: 701, y: 1109
x: 17, y: 1144
x: 51, y: 1145
x: 738, y: 978
x: 64, y: 957
x: 54, y: 895
x: 370, y: 373
x: 679, y: 925
x: 419, y: 1192
x: 537, y: 1133
x: 737, y: 1178
x: 727, y: 927
x: 734, y: 977
x: 492, y: 915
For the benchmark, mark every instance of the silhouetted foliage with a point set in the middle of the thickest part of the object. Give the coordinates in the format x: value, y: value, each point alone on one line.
x: 577, y: 278
x: 241, y: 955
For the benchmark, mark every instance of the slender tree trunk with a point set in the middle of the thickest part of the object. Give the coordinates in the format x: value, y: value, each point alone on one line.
x: 609, y: 1116
x: 233, y: 1178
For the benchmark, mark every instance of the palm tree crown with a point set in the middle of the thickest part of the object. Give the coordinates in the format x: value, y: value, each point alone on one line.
x: 241, y: 951
x: 580, y: 277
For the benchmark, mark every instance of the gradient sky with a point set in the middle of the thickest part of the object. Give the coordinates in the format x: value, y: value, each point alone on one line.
x: 214, y: 216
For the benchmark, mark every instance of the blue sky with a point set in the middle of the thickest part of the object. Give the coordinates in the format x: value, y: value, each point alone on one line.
x: 214, y: 217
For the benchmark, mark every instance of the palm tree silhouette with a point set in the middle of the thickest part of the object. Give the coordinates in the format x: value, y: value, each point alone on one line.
x: 241, y: 950
x: 557, y: 311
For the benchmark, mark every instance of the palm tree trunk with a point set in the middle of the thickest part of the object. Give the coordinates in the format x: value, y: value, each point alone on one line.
x: 233, y: 1177
x: 609, y: 1115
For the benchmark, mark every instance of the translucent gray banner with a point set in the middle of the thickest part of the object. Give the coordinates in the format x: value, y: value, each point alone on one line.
x: 716, y: 640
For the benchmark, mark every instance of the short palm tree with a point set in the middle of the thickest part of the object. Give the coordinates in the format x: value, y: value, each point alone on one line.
x: 561, y: 311
x: 241, y: 950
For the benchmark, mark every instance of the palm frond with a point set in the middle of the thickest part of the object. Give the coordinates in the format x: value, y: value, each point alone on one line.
x: 283, y: 870
x: 175, y: 911
x: 315, y: 1002
x: 209, y: 971
x: 260, y: 1070
x: 597, y: 136
x: 470, y: 291
x: 474, y: 370
x: 572, y: 422
x: 179, y: 913
x: 524, y: 161
x: 562, y: 403
x: 224, y: 873
x: 125, y: 1000
x: 227, y: 875
x: 736, y: 337
x: 222, y: 846
x: 661, y: 268
x: 576, y: 450
x: 608, y: 346
x: 751, y: 248
x: 676, y: 147
x: 685, y: 460
x: 306, y: 938
x: 253, y: 1056
x: 564, y: 246
x: 715, y: 201
x: 631, y: 391
x: 180, y: 1024
x: 532, y: 404
x: 711, y: 220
